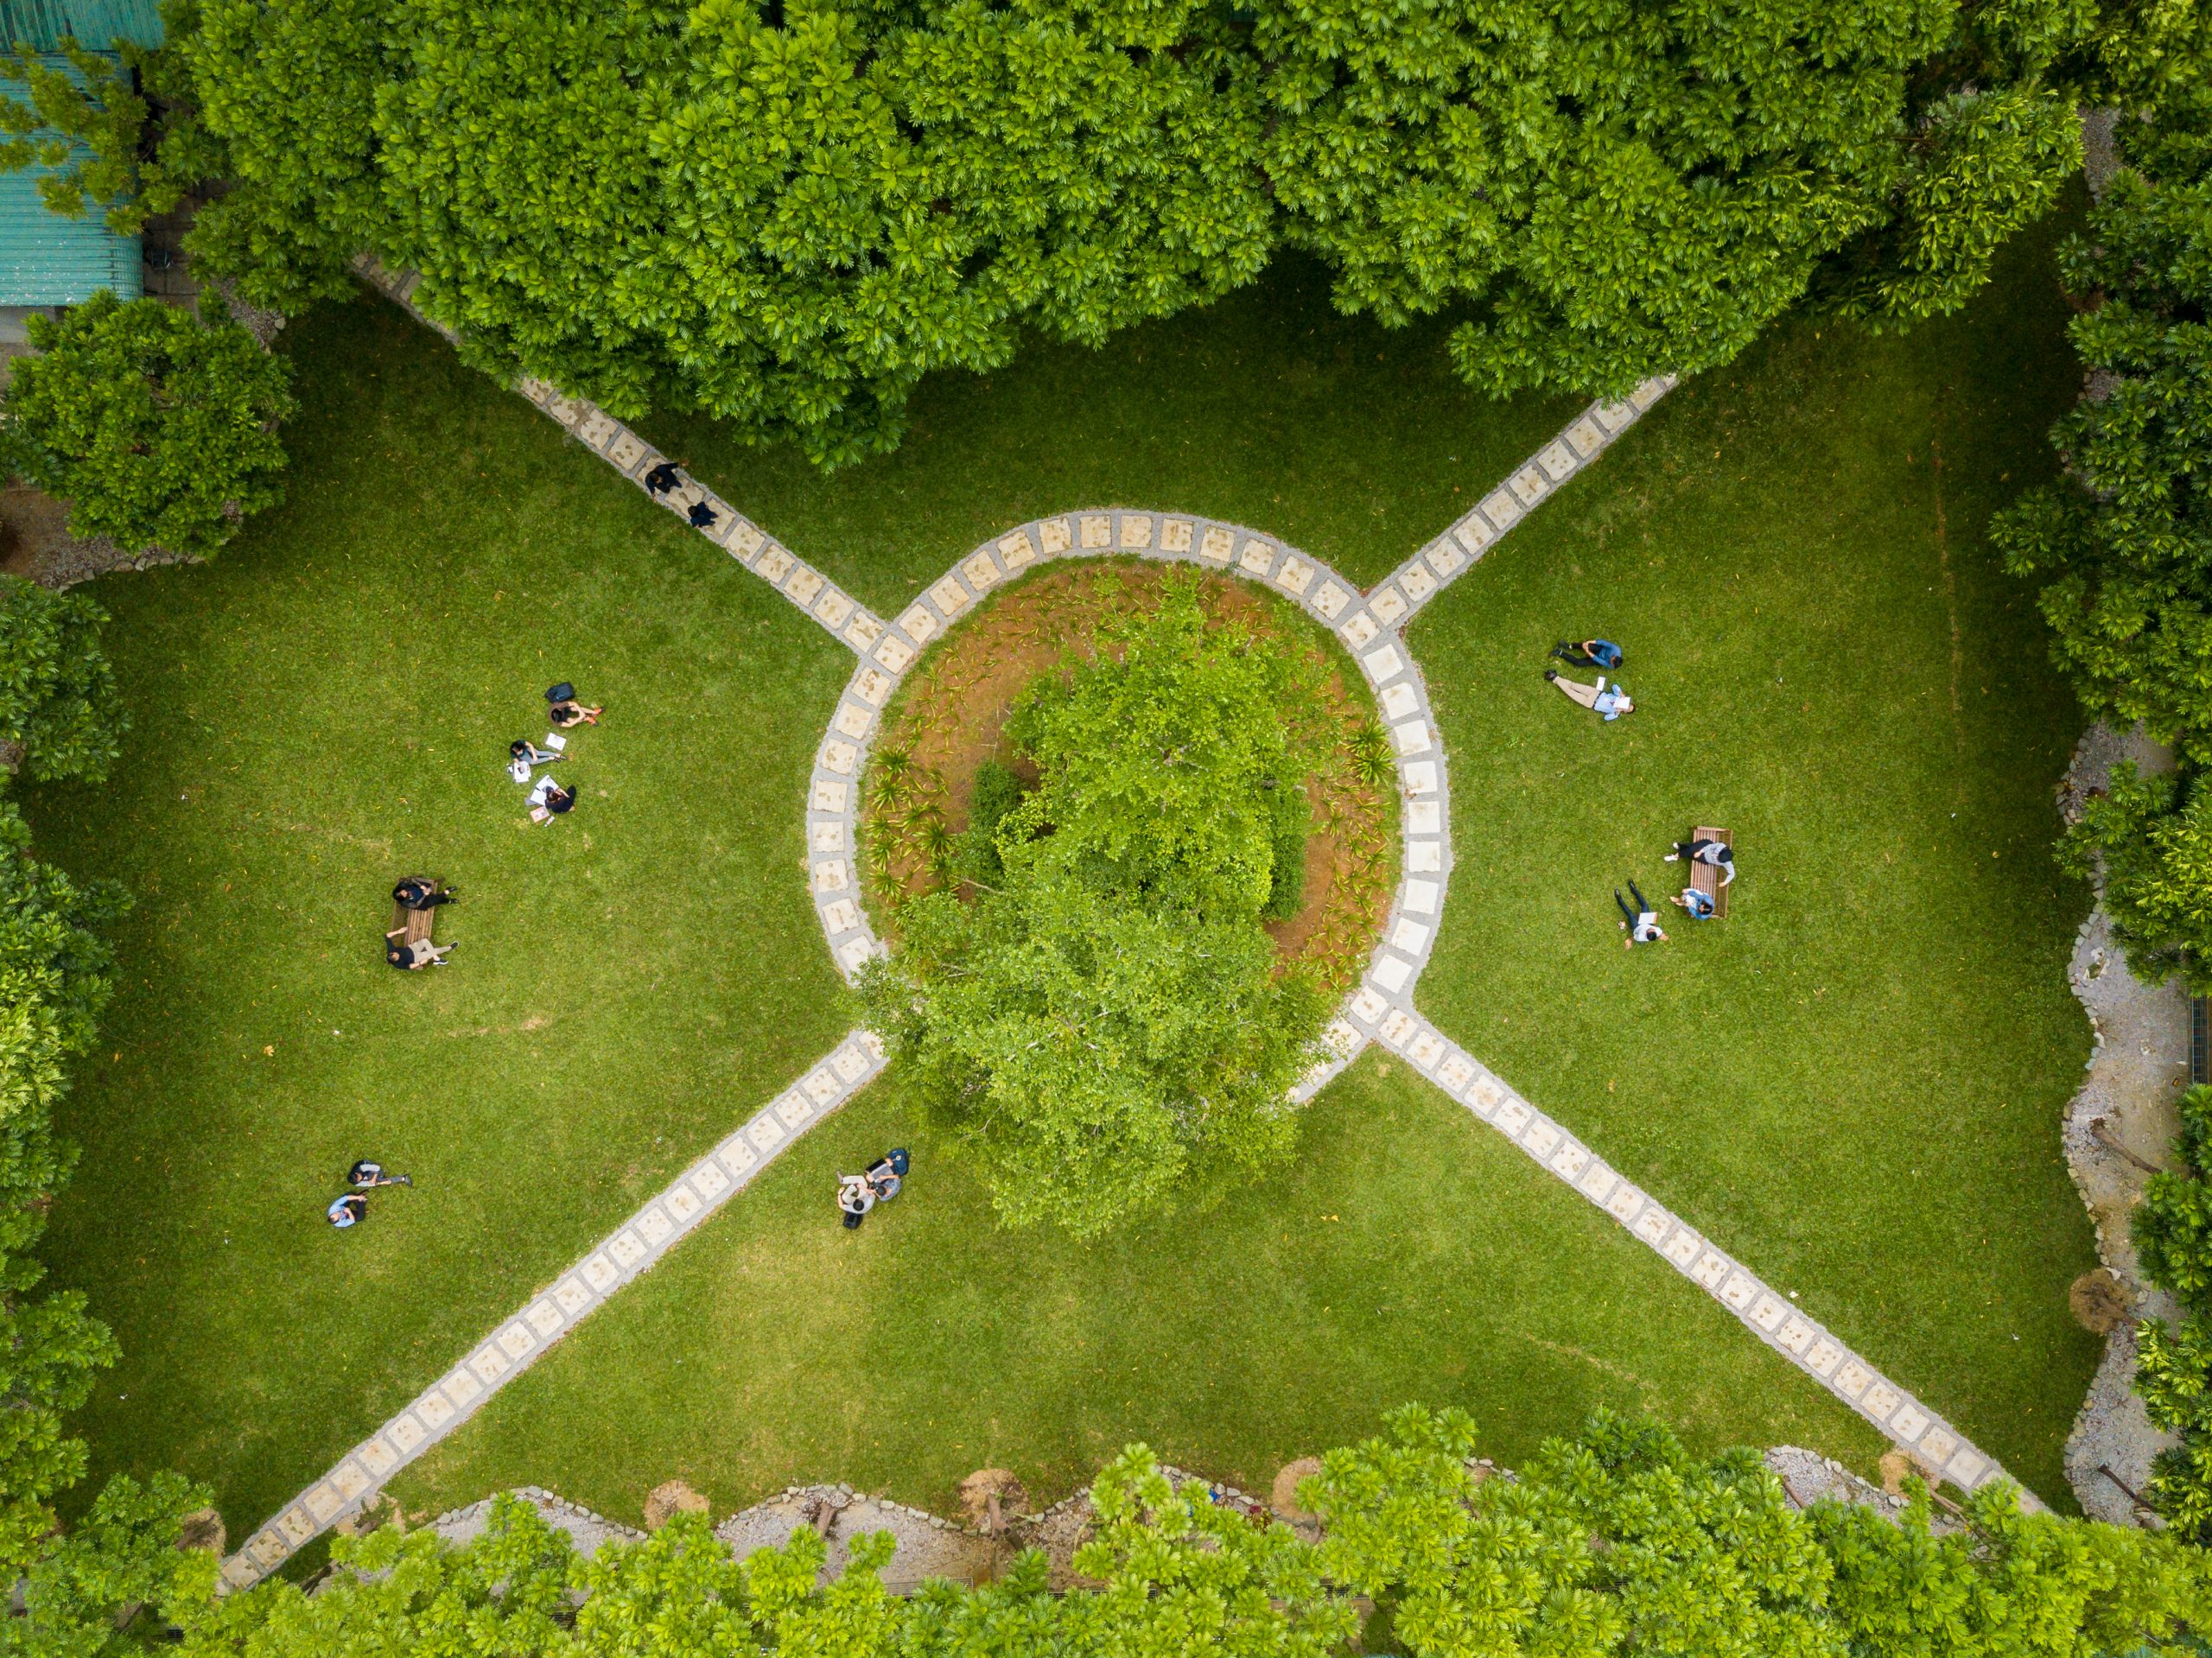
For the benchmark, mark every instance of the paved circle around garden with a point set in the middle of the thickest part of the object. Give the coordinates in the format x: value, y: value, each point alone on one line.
x: 1379, y: 1009
x: 833, y: 805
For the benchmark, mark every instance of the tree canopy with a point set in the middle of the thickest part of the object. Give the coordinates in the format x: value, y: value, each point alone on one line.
x: 786, y: 211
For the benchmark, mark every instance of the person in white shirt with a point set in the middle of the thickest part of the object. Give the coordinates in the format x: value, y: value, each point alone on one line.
x: 1641, y: 922
x: 1717, y: 853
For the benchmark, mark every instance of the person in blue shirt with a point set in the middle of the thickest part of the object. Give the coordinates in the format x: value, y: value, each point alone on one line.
x: 1698, y: 905
x: 1591, y: 653
x: 350, y: 1210
x: 1613, y: 703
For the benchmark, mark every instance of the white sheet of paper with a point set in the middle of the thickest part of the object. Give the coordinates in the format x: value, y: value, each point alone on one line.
x: 555, y: 741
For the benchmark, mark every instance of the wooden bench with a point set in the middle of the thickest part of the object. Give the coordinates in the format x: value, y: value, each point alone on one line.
x: 1705, y: 879
x: 413, y: 925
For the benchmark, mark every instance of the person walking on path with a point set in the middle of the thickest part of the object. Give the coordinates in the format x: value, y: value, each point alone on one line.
x: 662, y: 478
x: 1611, y: 703
x: 700, y: 516
x: 1591, y: 653
x: 422, y: 893
x: 350, y: 1210
x: 1717, y: 853
x: 1641, y: 922
x: 366, y: 1174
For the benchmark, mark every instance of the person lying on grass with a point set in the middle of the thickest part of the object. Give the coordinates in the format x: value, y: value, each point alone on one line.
x: 1591, y: 653
x: 1611, y: 703
x: 366, y: 1174
x: 1641, y: 922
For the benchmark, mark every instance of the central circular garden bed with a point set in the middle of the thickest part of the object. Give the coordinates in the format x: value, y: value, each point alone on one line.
x: 1131, y: 833
x: 945, y: 732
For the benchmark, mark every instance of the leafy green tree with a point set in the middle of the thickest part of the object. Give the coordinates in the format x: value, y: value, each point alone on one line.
x: 2123, y: 544
x: 161, y: 429
x: 86, y: 98
x: 84, y: 1591
x: 58, y: 702
x: 2172, y: 1232
x: 2153, y: 835
x: 1108, y: 1025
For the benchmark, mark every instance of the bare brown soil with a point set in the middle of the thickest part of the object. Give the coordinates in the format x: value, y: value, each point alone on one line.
x: 950, y: 717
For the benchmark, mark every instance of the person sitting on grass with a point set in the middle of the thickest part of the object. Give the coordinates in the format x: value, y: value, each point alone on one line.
x: 523, y: 755
x: 350, y: 1210
x: 569, y: 712
x: 1717, y: 853
x: 1641, y: 922
x: 420, y: 953
x: 549, y: 796
x: 366, y: 1174
x: 855, y: 1197
x: 1591, y: 653
x: 888, y: 1174
x: 1698, y: 905
x: 1611, y: 703
x: 421, y: 893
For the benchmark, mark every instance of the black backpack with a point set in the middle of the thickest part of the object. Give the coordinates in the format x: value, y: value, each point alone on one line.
x: 563, y: 692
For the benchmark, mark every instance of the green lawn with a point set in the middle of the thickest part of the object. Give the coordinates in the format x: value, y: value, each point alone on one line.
x: 1352, y: 441
x: 325, y: 707
x: 1855, y: 1082
x: 1411, y: 1254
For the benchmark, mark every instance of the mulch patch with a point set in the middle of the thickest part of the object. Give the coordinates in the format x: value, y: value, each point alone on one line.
x: 951, y: 712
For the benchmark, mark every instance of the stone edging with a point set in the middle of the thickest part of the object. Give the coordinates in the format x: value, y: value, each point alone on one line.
x: 630, y: 1249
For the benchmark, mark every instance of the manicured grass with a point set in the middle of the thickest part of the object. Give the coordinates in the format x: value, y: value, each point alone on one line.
x: 329, y: 707
x: 1855, y: 1082
x: 1350, y: 440
x: 1410, y: 1253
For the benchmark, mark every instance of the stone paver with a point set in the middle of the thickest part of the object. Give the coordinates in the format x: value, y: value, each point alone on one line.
x: 830, y: 608
x: 633, y: 1247
x: 1420, y: 578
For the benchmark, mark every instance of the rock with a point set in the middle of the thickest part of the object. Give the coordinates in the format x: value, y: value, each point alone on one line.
x: 990, y: 1496
x: 1282, y: 1495
x: 203, y: 1528
x: 670, y: 1499
x: 2099, y: 1301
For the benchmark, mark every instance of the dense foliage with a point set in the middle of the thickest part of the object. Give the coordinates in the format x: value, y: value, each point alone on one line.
x: 1615, y: 1543
x: 57, y: 703
x: 2173, y: 1229
x: 788, y: 213
x: 159, y: 428
x: 81, y: 117
x: 1106, y: 1023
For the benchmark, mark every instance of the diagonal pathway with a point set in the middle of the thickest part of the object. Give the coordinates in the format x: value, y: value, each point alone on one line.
x: 633, y: 1249
x: 1381, y: 1009
x: 837, y: 613
x: 1589, y: 435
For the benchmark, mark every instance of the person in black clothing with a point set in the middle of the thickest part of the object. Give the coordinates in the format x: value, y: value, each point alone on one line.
x: 702, y: 515
x: 1719, y: 853
x: 366, y: 1174
x: 422, y: 893
x: 663, y: 478
x: 557, y: 799
x: 1641, y: 922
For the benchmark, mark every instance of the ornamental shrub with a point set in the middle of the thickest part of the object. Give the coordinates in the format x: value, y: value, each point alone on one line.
x: 2154, y: 837
x: 58, y: 702
x: 160, y: 429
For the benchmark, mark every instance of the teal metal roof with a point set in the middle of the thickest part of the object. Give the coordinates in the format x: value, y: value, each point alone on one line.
x: 96, y: 24
x: 46, y: 259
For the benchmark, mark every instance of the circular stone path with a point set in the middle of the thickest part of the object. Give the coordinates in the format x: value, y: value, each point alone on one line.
x: 833, y: 805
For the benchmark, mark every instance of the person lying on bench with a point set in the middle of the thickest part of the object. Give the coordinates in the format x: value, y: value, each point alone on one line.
x: 420, y: 953
x: 1591, y: 653
x: 421, y: 893
x: 1698, y: 905
x: 1642, y: 922
x: 1611, y: 703
x: 1719, y: 853
x: 573, y: 713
